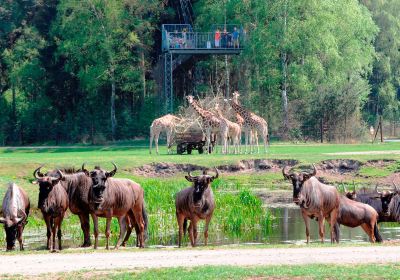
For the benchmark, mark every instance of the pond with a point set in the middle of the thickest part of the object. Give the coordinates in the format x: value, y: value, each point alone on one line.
x: 287, y: 228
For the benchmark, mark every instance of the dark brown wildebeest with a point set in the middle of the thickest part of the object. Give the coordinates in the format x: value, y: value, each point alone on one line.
x: 53, y: 202
x: 315, y: 200
x: 77, y: 185
x: 195, y: 203
x: 15, y: 210
x: 354, y: 214
x: 380, y: 201
x: 110, y: 197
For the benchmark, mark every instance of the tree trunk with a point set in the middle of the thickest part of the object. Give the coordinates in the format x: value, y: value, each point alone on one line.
x: 143, y: 65
x: 113, y: 119
x: 284, y: 86
x: 227, y: 77
x: 284, y: 97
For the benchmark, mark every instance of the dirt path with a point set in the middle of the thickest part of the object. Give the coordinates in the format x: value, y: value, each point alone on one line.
x: 52, y: 263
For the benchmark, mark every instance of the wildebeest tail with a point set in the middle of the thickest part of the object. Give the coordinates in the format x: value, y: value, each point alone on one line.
x: 377, y: 234
x: 146, y: 223
x: 336, y: 229
x: 184, y: 226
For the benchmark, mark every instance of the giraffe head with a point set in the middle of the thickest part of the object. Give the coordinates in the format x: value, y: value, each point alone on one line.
x: 235, y: 96
x: 190, y: 99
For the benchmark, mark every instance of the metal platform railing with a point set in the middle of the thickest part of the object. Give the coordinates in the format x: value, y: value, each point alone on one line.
x: 201, y: 41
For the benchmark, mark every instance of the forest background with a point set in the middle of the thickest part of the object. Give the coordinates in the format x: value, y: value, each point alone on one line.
x: 86, y: 71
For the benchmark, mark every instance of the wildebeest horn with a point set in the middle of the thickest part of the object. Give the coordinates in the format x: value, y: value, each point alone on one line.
x: 2, y: 220
x: 190, y: 175
x: 376, y: 190
x: 112, y: 173
x: 37, y: 174
x: 60, y: 174
x: 23, y: 218
x: 396, y: 189
x: 285, y: 174
x: 216, y: 173
x: 314, y: 170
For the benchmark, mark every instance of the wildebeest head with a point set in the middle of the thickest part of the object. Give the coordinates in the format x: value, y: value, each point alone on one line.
x: 385, y: 197
x: 201, y: 182
x: 11, y: 228
x: 298, y: 180
x: 46, y: 183
x: 99, y: 178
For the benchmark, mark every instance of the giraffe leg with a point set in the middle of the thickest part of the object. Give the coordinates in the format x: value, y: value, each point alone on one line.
x: 151, y: 137
x: 169, y: 140
x: 156, y: 140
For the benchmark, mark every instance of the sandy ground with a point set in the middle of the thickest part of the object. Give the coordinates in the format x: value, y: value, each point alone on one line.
x: 52, y: 263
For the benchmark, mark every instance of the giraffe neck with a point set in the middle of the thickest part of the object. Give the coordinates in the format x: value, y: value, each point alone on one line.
x: 239, y: 110
x: 199, y: 110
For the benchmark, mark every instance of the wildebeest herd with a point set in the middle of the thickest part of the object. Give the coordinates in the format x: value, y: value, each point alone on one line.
x: 96, y: 193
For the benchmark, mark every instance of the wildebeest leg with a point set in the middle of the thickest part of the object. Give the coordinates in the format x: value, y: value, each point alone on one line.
x: 95, y: 229
x: 122, y: 230
x: 48, y: 226
x: 137, y: 212
x: 307, y: 223
x: 208, y: 219
x: 193, y: 223
x: 53, y: 233
x: 108, y: 231
x: 85, y: 226
x: 321, y: 220
x: 180, y: 218
x: 332, y: 222
x: 190, y: 229
x: 55, y: 228
x: 19, y: 237
x: 59, y: 234
x: 129, y: 219
x: 369, y: 230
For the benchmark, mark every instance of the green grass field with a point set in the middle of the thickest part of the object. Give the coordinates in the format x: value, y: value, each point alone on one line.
x: 315, y: 271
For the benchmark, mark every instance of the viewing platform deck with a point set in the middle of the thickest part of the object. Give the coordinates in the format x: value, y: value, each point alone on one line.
x: 181, y: 39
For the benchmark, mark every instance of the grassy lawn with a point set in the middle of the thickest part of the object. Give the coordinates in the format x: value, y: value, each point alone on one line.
x: 370, y: 271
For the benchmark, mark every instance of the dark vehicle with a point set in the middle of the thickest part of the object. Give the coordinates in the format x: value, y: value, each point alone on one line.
x: 192, y: 140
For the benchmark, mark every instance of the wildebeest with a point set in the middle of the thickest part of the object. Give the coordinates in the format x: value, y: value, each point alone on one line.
x: 315, y: 200
x: 380, y: 201
x: 77, y: 185
x: 15, y: 209
x: 110, y: 197
x: 354, y: 214
x: 53, y: 203
x: 195, y: 203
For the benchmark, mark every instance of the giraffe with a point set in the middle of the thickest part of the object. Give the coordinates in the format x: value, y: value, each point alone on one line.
x: 165, y: 123
x: 253, y: 124
x: 250, y: 135
x: 211, y: 124
x: 234, y: 129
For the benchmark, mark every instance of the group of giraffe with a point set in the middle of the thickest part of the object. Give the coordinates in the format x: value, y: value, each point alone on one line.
x: 215, y: 123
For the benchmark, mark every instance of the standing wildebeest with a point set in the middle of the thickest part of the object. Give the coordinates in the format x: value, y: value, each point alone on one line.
x: 354, y: 214
x: 195, y: 203
x: 77, y: 185
x: 53, y: 202
x: 315, y: 200
x: 111, y: 197
x: 15, y: 213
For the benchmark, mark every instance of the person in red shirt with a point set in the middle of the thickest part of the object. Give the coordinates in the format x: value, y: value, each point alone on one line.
x: 217, y: 38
